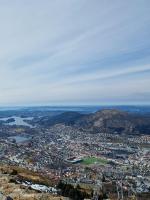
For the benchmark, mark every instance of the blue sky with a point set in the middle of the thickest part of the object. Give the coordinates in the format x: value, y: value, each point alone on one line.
x: 74, y: 52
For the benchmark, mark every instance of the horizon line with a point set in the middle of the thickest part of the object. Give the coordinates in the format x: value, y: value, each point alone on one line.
x: 73, y: 105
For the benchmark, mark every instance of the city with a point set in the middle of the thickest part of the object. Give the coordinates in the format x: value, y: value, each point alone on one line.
x: 115, y: 165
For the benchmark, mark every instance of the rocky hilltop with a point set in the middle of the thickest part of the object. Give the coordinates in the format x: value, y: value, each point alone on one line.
x: 12, y: 190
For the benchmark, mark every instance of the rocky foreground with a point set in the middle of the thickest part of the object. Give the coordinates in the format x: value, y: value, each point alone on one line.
x: 10, y: 190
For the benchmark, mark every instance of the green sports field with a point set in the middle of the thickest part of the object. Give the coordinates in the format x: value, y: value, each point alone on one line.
x: 94, y: 160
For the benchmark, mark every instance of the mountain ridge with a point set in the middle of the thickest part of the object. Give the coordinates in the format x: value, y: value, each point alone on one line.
x: 107, y: 120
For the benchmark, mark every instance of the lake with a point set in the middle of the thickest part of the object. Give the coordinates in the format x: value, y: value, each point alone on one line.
x: 20, y: 139
x: 18, y: 121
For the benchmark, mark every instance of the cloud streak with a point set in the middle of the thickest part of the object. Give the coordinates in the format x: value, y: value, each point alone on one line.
x: 74, y: 52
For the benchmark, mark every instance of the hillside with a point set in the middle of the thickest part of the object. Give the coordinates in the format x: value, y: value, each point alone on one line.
x: 67, y: 118
x: 109, y: 120
x: 9, y: 187
x: 115, y: 121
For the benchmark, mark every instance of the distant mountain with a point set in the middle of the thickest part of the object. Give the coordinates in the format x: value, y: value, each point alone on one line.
x: 67, y: 118
x: 109, y: 120
x: 115, y: 121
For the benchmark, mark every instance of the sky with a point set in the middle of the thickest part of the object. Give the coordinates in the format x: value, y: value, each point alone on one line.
x: 74, y: 52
